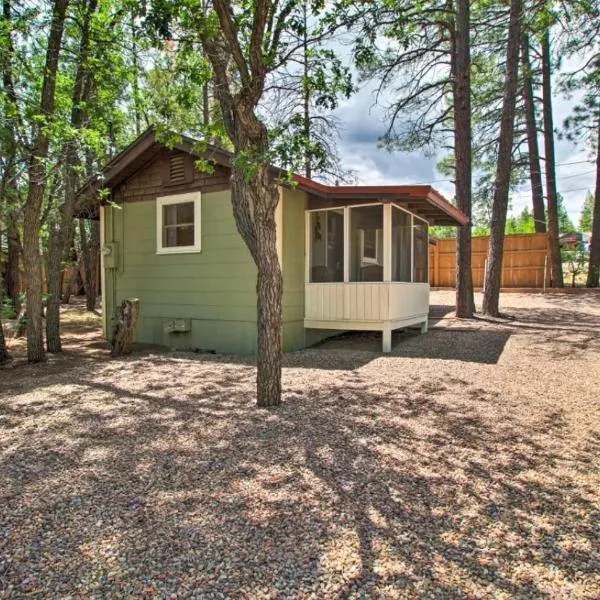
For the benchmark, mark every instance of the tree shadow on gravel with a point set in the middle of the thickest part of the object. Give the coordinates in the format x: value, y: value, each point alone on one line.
x: 128, y: 483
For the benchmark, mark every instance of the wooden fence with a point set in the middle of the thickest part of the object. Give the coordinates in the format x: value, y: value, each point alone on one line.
x: 71, y: 282
x: 522, y: 265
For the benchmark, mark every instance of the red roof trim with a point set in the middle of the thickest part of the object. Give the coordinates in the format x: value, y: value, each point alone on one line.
x: 424, y: 193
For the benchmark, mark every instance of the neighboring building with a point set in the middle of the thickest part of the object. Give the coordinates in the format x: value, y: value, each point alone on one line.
x: 353, y: 257
x: 575, y: 241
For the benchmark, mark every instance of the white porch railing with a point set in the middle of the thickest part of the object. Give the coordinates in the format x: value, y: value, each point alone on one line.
x: 378, y: 306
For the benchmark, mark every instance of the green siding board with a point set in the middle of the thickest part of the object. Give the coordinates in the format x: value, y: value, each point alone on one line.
x: 215, y: 288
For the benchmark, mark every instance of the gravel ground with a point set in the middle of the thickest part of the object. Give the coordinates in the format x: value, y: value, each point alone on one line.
x: 464, y: 465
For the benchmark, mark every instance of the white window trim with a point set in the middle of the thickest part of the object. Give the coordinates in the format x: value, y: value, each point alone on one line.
x: 367, y: 260
x: 194, y: 197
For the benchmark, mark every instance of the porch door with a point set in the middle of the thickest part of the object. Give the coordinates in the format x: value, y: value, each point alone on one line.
x: 335, y: 244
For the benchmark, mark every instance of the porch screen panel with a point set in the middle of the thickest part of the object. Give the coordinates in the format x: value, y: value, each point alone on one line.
x: 366, y: 243
x: 401, y: 245
x: 327, y: 246
x: 421, y: 252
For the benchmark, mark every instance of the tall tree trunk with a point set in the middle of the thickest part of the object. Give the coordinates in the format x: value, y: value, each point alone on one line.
x: 4, y: 356
x: 62, y: 232
x: 593, y: 278
x: 37, y: 186
x: 493, y: 273
x: 261, y: 193
x: 306, y: 97
x: 461, y: 63
x: 12, y: 276
x: 552, y: 200
x: 54, y: 268
x: 254, y: 194
x: 535, y: 172
x: 9, y: 190
x: 90, y: 252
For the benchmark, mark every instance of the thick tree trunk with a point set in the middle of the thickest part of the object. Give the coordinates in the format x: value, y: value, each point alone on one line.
x: 262, y: 194
x: 12, y: 276
x: 4, y: 356
x: 593, y: 278
x: 306, y: 96
x: 552, y: 200
x: 35, y: 192
x: 254, y: 193
x: 90, y: 253
x: 54, y: 267
x: 493, y: 273
x: 535, y: 172
x: 63, y: 229
x: 9, y: 187
x: 465, y: 304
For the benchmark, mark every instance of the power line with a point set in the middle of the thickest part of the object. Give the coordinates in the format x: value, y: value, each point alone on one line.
x: 557, y: 191
x: 577, y: 162
x: 576, y: 175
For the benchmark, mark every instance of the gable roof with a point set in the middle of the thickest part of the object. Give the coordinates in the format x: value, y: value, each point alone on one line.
x: 424, y: 200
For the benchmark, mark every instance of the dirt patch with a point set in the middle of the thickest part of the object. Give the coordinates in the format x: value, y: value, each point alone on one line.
x: 465, y: 464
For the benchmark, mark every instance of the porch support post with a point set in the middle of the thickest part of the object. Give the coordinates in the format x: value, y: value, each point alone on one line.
x: 307, y: 248
x: 412, y: 248
x: 387, y: 242
x: 386, y: 338
x: 346, y: 244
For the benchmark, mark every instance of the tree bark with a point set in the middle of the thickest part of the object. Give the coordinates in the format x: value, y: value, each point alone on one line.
x: 254, y: 192
x: 493, y: 273
x: 9, y: 188
x: 54, y: 267
x: 122, y: 337
x: 552, y: 200
x: 12, y: 276
x: 306, y: 96
x: 535, y: 171
x: 4, y: 355
x: 62, y: 231
x: 36, y: 188
x: 593, y: 277
x: 90, y: 254
x: 461, y: 63
x: 263, y: 195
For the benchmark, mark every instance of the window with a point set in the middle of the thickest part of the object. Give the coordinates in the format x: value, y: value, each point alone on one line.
x: 401, y: 245
x: 366, y: 243
x: 371, y: 243
x: 327, y: 246
x: 178, y: 223
x: 420, y: 251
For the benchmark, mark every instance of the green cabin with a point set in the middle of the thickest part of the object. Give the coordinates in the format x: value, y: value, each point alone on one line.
x: 352, y: 257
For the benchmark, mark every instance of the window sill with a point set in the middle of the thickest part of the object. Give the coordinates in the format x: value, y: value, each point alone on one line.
x: 181, y: 250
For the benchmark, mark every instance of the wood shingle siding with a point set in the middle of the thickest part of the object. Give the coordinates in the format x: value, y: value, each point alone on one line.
x: 155, y: 179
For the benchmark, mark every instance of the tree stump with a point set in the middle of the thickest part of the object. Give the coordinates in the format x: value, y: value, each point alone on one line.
x: 121, y: 341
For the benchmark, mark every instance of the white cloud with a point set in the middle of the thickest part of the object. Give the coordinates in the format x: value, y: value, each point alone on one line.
x: 363, y: 123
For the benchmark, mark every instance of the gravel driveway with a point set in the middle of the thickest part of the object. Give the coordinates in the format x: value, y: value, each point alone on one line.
x: 464, y: 465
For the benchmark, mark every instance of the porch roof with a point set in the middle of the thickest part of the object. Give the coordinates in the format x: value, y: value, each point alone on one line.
x: 422, y: 200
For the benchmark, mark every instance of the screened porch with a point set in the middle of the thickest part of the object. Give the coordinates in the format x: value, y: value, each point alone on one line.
x: 366, y: 269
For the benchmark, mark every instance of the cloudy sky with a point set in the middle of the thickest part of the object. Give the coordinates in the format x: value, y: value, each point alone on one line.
x: 363, y: 123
